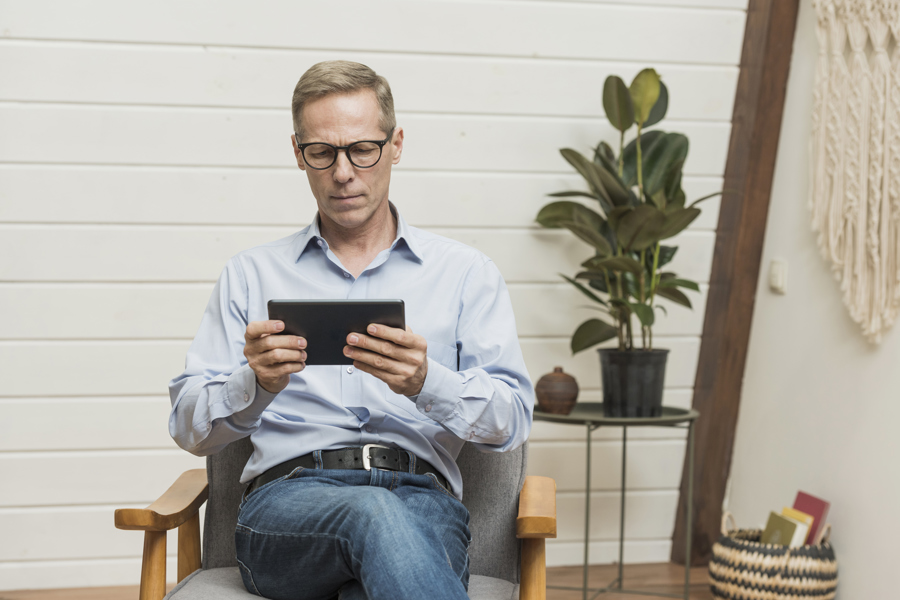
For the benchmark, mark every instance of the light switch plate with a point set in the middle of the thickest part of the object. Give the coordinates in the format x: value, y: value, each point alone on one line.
x: 778, y: 271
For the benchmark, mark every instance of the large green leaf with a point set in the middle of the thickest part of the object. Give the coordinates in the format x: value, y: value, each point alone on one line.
x: 588, y: 170
x: 675, y: 282
x: 617, y: 191
x: 675, y: 295
x: 706, y: 197
x: 640, y: 228
x: 677, y: 221
x: 616, y: 214
x: 659, y: 159
x: 666, y: 254
x: 572, y: 194
x: 590, y: 235
x: 672, y: 183
x: 585, y: 290
x: 643, y: 312
x: 659, y: 109
x: 629, y: 155
x: 613, y: 263
x: 644, y: 91
x: 553, y: 215
x: 590, y: 333
x: 617, y: 103
x: 603, y: 152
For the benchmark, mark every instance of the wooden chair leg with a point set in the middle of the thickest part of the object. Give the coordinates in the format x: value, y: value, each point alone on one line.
x: 153, y: 568
x: 534, y: 570
x: 189, y: 546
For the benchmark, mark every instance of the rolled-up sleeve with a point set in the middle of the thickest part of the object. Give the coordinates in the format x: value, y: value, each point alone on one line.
x: 489, y: 400
x: 216, y: 400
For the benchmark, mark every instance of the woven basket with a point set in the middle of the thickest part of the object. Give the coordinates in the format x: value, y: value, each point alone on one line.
x: 744, y: 569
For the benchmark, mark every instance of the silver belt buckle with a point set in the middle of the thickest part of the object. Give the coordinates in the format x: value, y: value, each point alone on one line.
x: 366, y: 459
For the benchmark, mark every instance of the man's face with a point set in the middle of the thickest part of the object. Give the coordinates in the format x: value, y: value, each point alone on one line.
x: 348, y: 196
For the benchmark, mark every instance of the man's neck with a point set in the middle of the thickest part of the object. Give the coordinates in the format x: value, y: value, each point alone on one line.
x: 357, y: 248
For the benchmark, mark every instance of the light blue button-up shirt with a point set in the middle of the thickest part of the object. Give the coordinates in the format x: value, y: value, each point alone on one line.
x: 477, y: 388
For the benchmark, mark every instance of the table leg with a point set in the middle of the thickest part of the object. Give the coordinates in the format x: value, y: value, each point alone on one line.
x: 689, y: 509
x: 622, y: 508
x: 587, y: 516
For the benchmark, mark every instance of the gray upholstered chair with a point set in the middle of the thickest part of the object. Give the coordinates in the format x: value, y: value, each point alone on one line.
x: 506, y: 556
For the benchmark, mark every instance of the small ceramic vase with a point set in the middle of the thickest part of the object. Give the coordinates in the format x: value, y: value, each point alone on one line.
x: 557, y: 392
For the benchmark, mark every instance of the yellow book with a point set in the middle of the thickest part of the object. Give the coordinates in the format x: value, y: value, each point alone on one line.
x: 797, y: 515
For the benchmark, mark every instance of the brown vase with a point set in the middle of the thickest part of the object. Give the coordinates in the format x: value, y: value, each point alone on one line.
x: 557, y: 392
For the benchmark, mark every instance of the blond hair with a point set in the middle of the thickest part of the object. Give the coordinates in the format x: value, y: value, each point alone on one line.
x: 341, y: 77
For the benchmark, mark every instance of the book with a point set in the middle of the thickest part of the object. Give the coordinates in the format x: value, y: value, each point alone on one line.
x: 784, y: 530
x: 817, y: 509
x: 797, y: 515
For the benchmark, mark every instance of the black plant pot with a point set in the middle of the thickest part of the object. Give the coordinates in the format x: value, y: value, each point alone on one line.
x: 632, y: 382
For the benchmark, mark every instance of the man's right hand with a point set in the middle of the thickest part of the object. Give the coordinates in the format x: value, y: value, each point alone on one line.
x: 273, y: 357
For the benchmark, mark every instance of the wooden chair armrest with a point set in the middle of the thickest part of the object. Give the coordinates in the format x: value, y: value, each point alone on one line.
x: 537, y: 508
x: 178, y: 504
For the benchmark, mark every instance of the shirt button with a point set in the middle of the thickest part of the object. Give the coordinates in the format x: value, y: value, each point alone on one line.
x: 208, y: 426
x: 427, y: 408
x: 246, y: 397
x: 346, y: 274
x: 320, y: 243
x: 369, y: 428
x: 350, y: 369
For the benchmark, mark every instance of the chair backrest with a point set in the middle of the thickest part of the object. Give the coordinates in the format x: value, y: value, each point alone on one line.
x: 491, y: 484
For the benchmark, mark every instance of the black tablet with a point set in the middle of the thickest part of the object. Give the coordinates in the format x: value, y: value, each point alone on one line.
x: 326, y: 323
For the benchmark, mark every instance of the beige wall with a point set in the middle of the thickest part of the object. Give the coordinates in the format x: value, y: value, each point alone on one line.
x: 145, y: 143
x: 820, y: 405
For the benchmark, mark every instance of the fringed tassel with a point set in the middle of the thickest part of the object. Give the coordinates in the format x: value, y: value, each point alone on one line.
x: 855, y: 155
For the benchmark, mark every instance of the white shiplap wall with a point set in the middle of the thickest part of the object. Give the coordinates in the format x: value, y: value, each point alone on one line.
x: 143, y: 144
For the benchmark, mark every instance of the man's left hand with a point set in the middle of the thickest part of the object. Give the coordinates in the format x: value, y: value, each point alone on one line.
x: 397, y: 357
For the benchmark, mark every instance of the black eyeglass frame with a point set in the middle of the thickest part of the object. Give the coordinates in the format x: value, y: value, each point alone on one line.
x: 346, y: 149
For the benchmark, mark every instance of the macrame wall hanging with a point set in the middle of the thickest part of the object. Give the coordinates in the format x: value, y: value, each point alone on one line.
x: 855, y: 155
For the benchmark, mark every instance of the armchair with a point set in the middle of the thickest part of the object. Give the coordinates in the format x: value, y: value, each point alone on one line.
x: 507, y: 555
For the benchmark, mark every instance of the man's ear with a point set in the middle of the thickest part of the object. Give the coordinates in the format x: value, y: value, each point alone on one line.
x: 298, y: 156
x: 397, y: 142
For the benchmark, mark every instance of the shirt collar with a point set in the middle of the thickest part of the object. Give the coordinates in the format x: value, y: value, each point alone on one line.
x: 313, y: 235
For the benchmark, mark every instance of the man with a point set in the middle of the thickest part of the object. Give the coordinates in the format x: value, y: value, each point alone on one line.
x: 314, y: 521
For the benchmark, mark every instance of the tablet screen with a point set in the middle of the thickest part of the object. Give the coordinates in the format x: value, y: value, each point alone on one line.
x: 326, y: 323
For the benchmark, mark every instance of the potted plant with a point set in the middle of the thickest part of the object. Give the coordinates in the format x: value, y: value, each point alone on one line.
x: 638, y: 203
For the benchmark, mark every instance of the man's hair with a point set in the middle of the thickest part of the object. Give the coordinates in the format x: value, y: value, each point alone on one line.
x: 342, y: 77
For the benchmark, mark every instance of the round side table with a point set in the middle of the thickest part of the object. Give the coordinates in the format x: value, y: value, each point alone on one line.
x: 590, y: 415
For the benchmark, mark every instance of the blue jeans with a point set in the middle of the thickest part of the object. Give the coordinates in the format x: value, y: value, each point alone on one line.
x: 364, y: 534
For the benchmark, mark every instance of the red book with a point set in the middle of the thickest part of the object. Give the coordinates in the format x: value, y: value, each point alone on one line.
x: 815, y: 507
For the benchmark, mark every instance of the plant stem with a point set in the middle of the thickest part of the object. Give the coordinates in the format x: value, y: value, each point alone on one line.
x: 655, y: 281
x: 640, y: 166
x: 621, y: 153
x: 617, y: 316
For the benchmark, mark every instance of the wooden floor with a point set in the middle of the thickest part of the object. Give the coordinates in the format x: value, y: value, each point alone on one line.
x: 663, y: 577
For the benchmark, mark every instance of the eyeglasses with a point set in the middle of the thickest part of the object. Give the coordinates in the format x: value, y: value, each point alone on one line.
x: 362, y: 154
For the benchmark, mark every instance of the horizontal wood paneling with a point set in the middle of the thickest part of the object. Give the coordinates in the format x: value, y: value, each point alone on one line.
x: 261, y: 138
x: 648, y: 515
x: 560, y: 554
x: 108, y: 477
x: 116, y: 368
x: 85, y: 423
x: 197, y: 76
x: 199, y: 253
x: 58, y: 533
x: 207, y: 196
x: 117, y: 477
x: 652, y: 465
x: 480, y: 28
x: 55, y: 533
x: 167, y: 311
x: 77, y: 573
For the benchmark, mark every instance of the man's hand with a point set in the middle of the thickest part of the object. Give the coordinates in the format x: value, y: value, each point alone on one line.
x: 394, y: 356
x: 273, y: 357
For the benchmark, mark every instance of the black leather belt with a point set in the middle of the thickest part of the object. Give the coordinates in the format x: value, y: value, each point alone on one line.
x: 357, y: 457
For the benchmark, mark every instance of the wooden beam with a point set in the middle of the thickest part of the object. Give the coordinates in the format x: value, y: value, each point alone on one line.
x: 756, y: 125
